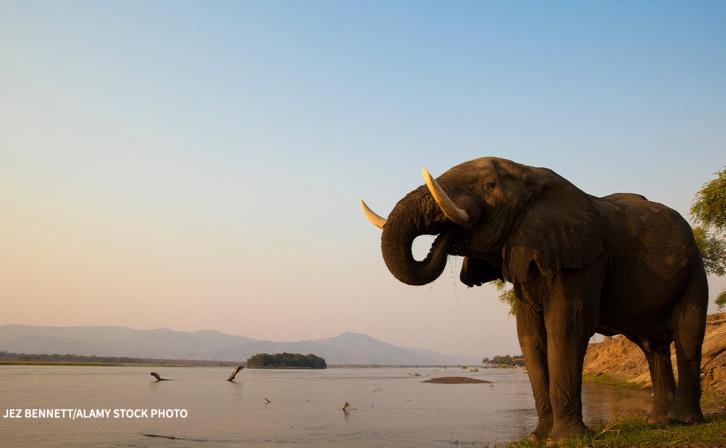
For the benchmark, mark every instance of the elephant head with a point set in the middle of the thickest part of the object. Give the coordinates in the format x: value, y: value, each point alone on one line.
x: 508, y: 220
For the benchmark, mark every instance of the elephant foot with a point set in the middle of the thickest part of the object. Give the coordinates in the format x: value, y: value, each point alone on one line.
x: 685, y: 416
x: 535, y: 441
x: 542, y: 431
x: 560, y: 432
x: 658, y: 418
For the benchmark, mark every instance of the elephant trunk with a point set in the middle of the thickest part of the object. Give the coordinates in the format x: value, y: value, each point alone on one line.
x: 416, y: 214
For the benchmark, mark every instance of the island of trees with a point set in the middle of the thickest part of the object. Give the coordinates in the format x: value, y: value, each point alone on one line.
x: 504, y: 361
x: 285, y: 361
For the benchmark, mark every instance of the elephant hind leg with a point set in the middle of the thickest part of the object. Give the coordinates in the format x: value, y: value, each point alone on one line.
x: 658, y: 354
x: 664, y: 385
x: 689, y: 322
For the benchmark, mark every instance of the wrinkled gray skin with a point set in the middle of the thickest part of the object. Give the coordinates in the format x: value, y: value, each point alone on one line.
x: 579, y: 264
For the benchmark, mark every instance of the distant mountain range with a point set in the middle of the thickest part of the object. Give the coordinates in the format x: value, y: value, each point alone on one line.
x: 347, y: 348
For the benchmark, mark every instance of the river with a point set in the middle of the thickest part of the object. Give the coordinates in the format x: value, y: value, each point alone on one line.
x: 389, y: 407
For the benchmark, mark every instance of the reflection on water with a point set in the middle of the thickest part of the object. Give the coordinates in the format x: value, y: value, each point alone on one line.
x: 388, y: 407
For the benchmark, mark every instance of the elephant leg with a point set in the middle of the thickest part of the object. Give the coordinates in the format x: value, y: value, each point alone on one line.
x: 661, y: 375
x: 570, y: 318
x: 658, y: 354
x: 533, y: 340
x: 689, y: 320
x: 566, y: 346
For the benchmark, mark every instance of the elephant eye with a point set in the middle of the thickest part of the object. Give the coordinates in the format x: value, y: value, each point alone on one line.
x: 491, y: 184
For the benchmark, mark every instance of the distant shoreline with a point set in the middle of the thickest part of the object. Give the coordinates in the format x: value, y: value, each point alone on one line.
x: 23, y: 359
x: 177, y: 363
x: 109, y: 364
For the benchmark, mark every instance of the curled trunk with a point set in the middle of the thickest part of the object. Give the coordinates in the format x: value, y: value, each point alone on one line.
x: 416, y: 214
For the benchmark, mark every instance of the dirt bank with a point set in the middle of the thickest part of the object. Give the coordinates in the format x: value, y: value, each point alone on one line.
x: 623, y: 361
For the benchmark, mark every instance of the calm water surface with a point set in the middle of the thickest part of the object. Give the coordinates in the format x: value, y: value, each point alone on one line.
x: 390, y: 408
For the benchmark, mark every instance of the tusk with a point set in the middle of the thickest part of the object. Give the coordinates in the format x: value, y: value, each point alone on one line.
x: 451, y: 210
x: 371, y: 216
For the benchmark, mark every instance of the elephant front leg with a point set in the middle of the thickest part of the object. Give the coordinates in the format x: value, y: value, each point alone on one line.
x: 565, y: 355
x: 533, y: 340
x: 570, y: 315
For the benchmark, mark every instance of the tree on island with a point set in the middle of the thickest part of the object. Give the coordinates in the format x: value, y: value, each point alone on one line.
x: 285, y: 361
x: 505, y: 361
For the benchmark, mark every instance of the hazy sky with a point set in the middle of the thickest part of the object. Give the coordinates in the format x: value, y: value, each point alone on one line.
x: 199, y: 164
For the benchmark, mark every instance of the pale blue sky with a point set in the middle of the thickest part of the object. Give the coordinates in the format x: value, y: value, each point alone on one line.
x: 154, y: 153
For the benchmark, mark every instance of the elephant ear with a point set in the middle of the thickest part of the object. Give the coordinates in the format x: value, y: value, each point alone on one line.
x: 559, y: 229
x: 476, y: 272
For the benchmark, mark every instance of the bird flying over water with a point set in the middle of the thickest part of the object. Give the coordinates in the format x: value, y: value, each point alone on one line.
x: 235, y: 372
x: 158, y: 377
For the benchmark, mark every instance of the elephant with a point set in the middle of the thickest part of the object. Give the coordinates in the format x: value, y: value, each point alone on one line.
x: 579, y: 264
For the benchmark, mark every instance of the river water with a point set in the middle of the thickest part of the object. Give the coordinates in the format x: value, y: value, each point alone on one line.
x: 389, y: 407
